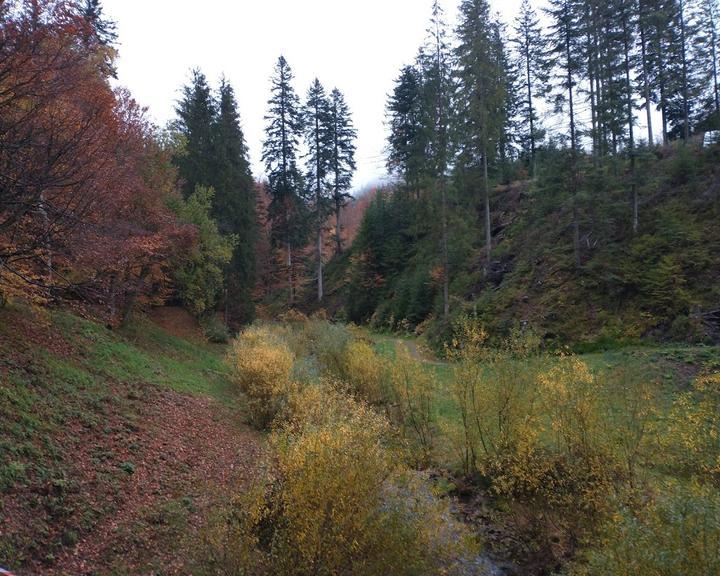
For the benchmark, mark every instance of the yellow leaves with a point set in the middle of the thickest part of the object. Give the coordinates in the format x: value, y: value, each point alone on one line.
x: 338, y: 499
x: 364, y: 371
x: 262, y: 368
x: 694, y: 427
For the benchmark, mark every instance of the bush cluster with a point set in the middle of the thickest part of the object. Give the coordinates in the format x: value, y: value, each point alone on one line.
x: 335, y: 496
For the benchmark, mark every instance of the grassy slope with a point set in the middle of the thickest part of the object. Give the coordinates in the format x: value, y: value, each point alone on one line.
x: 88, y: 418
x: 631, y: 288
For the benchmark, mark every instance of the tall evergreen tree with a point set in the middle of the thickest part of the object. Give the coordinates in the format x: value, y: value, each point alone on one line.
x: 534, y: 66
x: 645, y: 30
x: 196, y: 114
x: 710, y: 11
x: 342, y: 159
x: 234, y: 205
x: 102, y: 32
x: 566, y: 38
x: 319, y: 141
x: 481, y: 99
x: 407, y: 139
x: 288, y: 207
x: 436, y: 64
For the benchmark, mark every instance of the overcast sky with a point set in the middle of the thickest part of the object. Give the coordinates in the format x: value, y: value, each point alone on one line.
x: 357, y: 46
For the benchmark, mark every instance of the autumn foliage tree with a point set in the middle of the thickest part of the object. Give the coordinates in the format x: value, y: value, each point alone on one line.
x: 83, y: 184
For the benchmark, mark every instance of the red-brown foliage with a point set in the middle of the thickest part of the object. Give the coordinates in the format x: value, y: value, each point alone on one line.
x: 83, y: 185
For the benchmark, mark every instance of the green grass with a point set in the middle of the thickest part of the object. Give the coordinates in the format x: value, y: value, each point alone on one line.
x: 670, y: 367
x: 146, y: 353
x: 85, y: 375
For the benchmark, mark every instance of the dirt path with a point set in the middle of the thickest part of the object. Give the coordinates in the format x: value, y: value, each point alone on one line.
x: 186, y: 455
x: 415, y: 353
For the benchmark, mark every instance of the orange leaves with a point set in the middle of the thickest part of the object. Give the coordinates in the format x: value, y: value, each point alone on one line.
x: 83, y: 184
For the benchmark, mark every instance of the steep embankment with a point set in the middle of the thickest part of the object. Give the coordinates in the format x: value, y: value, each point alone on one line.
x: 607, y: 285
x: 114, y: 446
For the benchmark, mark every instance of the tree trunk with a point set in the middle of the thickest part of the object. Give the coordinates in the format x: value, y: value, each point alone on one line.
x: 338, y: 238
x: 290, y: 273
x: 685, y: 87
x: 318, y: 207
x: 488, y: 220
x: 445, y: 258
x: 630, y: 120
x: 713, y: 49
x: 646, y: 85
x: 528, y: 80
x: 573, y: 152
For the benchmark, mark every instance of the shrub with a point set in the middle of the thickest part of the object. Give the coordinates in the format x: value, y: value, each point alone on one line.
x: 261, y: 365
x: 530, y: 429
x: 679, y: 533
x: 412, y: 400
x: 337, y: 502
x: 364, y: 371
x: 694, y: 429
x: 215, y: 330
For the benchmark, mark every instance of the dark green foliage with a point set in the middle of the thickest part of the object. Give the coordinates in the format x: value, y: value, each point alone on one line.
x: 234, y: 205
x: 654, y: 283
x: 407, y: 140
x: 198, y: 275
x: 196, y: 114
x: 319, y: 139
x: 211, y: 152
x: 288, y: 212
x: 534, y: 73
x: 288, y: 209
x: 342, y: 158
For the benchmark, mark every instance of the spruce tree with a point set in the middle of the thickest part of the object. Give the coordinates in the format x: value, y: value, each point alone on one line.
x: 481, y: 99
x: 288, y: 206
x: 342, y: 158
x: 407, y: 139
x: 196, y: 111
x: 102, y: 32
x: 319, y: 141
x: 534, y: 66
x: 708, y: 45
x: 234, y: 204
x: 566, y: 44
x: 436, y: 63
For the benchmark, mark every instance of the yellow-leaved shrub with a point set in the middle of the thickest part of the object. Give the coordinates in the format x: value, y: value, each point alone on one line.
x: 364, y: 371
x: 261, y: 366
x: 693, y: 433
x: 337, y: 501
x: 677, y: 532
x: 412, y: 400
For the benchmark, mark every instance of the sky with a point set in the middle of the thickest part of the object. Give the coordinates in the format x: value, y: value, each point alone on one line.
x: 357, y: 46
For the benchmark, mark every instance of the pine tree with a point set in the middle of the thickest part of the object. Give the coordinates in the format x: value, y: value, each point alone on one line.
x: 234, y: 205
x: 102, y: 32
x: 534, y: 66
x: 319, y: 140
x: 288, y: 207
x: 407, y: 142
x: 196, y: 113
x: 436, y: 64
x: 710, y: 11
x: 566, y: 38
x: 481, y: 98
x: 342, y: 160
